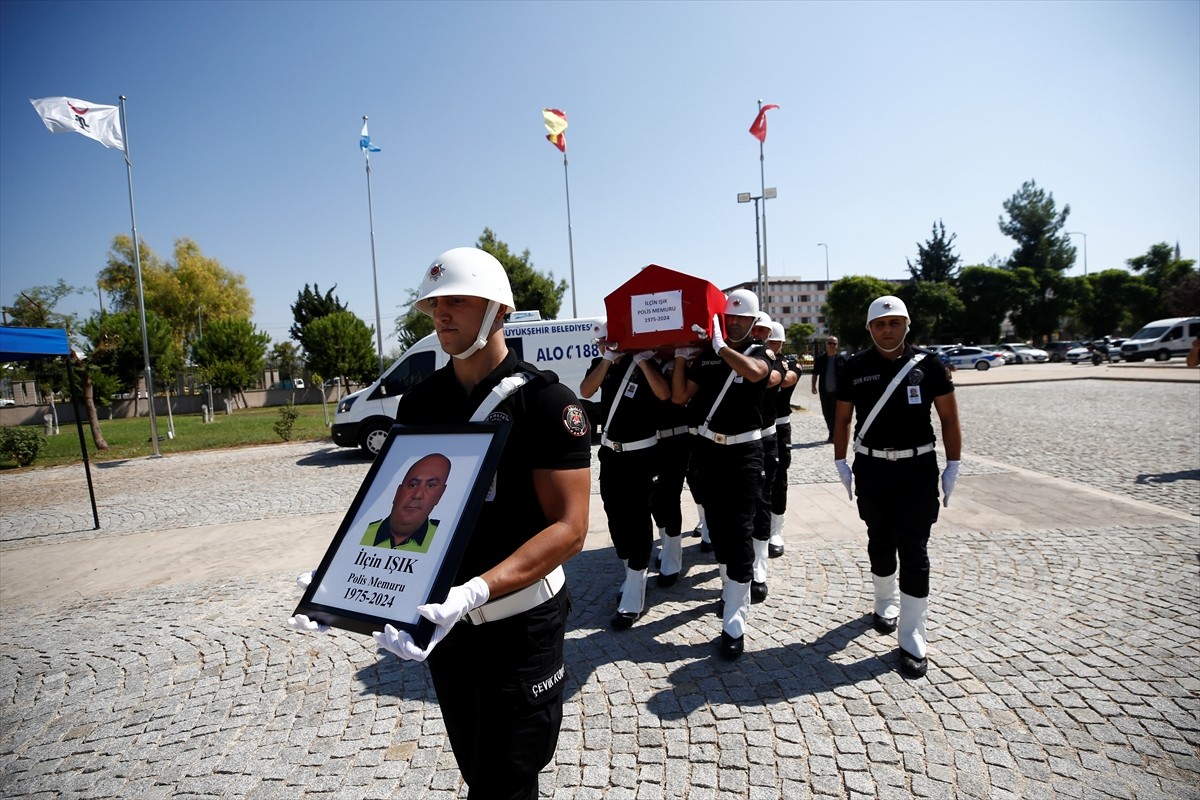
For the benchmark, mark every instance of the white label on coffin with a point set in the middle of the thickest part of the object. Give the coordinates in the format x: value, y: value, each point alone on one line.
x: 660, y: 311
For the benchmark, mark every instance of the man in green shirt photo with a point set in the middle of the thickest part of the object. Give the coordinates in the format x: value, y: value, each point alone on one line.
x: 409, y: 526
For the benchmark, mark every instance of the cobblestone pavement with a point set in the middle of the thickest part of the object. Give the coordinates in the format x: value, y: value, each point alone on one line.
x: 1064, y: 659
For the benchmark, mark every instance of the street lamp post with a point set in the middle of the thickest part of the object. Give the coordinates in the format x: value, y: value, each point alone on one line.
x: 1084, y: 235
x: 760, y: 271
x: 822, y: 244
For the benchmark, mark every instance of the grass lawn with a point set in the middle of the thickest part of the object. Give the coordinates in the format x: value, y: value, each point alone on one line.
x: 130, y: 438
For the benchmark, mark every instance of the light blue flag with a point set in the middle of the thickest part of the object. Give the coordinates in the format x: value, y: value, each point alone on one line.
x: 365, y: 141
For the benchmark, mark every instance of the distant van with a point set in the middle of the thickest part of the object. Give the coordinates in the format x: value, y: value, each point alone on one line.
x: 563, y: 346
x: 1162, y: 339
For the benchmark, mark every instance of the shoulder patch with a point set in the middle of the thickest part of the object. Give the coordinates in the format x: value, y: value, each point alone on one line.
x: 574, y: 420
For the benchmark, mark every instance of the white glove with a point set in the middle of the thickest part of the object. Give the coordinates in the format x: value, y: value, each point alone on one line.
x: 718, y: 341
x: 461, y: 600
x: 686, y: 352
x: 949, y: 480
x: 642, y: 356
x: 609, y: 355
x: 304, y: 579
x: 846, y: 474
x: 305, y: 625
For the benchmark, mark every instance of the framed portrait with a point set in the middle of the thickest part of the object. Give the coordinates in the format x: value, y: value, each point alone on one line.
x: 404, y: 535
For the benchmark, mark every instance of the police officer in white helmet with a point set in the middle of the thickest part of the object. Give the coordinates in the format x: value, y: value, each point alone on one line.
x: 783, y: 437
x: 723, y: 391
x: 496, y: 655
x: 888, y: 390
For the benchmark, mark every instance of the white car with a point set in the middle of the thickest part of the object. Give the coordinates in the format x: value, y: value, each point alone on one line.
x: 4, y: 401
x: 1024, y: 354
x: 976, y: 357
x: 1080, y: 355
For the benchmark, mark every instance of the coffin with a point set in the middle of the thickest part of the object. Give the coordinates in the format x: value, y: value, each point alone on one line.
x: 658, y: 308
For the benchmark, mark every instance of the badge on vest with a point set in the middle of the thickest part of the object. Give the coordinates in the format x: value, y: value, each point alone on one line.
x: 630, y: 389
x: 914, y: 395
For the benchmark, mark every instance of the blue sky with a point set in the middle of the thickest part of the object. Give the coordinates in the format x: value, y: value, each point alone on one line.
x: 243, y: 122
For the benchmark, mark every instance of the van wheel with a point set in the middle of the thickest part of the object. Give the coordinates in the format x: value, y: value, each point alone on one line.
x: 1162, y: 355
x: 372, y: 439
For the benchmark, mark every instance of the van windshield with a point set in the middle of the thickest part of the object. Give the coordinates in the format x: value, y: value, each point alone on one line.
x: 407, y: 374
x: 1150, y: 332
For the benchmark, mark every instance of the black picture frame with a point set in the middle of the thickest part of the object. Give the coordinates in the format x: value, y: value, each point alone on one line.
x: 361, y: 586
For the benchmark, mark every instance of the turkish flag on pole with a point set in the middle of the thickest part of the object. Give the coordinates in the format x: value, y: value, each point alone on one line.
x: 556, y: 125
x: 759, y: 129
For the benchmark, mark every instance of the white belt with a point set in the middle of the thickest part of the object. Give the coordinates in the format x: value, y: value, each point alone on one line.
x: 892, y: 455
x: 768, y: 431
x: 519, y: 601
x: 669, y: 432
x: 736, y: 438
x: 783, y: 421
x: 628, y: 447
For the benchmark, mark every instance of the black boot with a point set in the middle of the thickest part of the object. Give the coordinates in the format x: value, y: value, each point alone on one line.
x: 912, y: 666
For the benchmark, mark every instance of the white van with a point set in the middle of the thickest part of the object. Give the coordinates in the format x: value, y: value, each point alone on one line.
x: 563, y: 346
x: 1161, y: 339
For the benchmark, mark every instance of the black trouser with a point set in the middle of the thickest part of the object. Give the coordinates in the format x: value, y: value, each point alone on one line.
x: 829, y: 409
x: 668, y: 489
x: 762, y: 514
x: 783, y: 449
x: 729, y: 483
x: 626, y: 487
x: 500, y: 688
x: 899, y: 502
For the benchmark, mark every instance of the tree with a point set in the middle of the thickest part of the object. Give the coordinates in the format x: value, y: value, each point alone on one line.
x: 285, y: 358
x: 932, y: 307
x: 187, y: 294
x: 799, y: 335
x: 846, y: 308
x: 231, y: 353
x: 1166, y: 274
x: 1036, y: 225
x: 1110, y: 301
x: 989, y: 293
x: 341, y: 344
x: 531, y: 289
x: 115, y: 348
x: 936, y: 261
x: 35, y: 308
x: 310, y: 306
x: 413, y: 326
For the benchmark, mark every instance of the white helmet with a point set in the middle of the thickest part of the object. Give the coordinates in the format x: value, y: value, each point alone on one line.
x: 763, y: 320
x: 887, y: 306
x: 464, y: 271
x: 777, y: 334
x: 470, y: 272
x: 741, y: 303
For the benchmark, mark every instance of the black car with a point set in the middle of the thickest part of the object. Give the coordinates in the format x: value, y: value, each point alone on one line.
x: 1058, y: 350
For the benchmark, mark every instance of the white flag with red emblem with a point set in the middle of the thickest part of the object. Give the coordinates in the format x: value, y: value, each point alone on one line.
x: 556, y: 126
x: 66, y: 114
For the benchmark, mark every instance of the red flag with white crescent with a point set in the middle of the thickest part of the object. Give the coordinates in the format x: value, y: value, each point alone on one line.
x: 759, y: 128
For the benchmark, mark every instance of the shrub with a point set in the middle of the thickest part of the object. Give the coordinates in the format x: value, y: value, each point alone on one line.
x: 287, y: 418
x: 21, y: 444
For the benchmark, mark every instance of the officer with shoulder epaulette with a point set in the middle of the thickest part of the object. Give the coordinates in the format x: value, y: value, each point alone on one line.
x: 723, y: 392
x: 889, y: 390
x: 673, y: 452
x: 783, y: 439
x: 496, y: 654
x: 631, y: 389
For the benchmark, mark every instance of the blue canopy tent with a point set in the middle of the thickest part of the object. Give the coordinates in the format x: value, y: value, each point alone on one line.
x: 28, y: 344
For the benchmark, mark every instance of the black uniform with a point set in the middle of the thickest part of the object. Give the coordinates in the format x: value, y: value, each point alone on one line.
x: 770, y: 396
x: 897, y: 498
x: 499, y: 684
x: 729, y: 475
x: 628, y: 461
x: 673, y: 451
x: 783, y: 437
x: 828, y: 374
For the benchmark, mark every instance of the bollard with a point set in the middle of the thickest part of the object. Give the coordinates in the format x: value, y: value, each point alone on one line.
x: 228, y: 407
x: 204, y: 413
x: 49, y: 420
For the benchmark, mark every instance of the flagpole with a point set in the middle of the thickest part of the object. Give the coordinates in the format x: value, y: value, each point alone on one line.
x: 570, y: 240
x: 137, y: 268
x: 762, y: 277
x: 374, y: 272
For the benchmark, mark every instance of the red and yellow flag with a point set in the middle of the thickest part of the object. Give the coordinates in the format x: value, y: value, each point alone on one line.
x: 556, y: 123
x: 759, y: 128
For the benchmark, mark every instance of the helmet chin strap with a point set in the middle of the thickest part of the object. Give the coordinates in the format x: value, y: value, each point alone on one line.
x: 485, y: 327
x: 731, y: 340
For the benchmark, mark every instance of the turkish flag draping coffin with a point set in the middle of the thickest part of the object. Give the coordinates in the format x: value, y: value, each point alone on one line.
x: 658, y: 307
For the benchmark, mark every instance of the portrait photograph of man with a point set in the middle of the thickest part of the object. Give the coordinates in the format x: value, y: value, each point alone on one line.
x: 409, y: 526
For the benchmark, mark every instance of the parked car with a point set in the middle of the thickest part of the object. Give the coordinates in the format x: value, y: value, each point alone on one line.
x: 4, y: 401
x: 1080, y: 355
x: 1058, y: 350
x: 1008, y: 356
x: 1024, y: 354
x: 975, y: 357
x: 1162, y: 339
